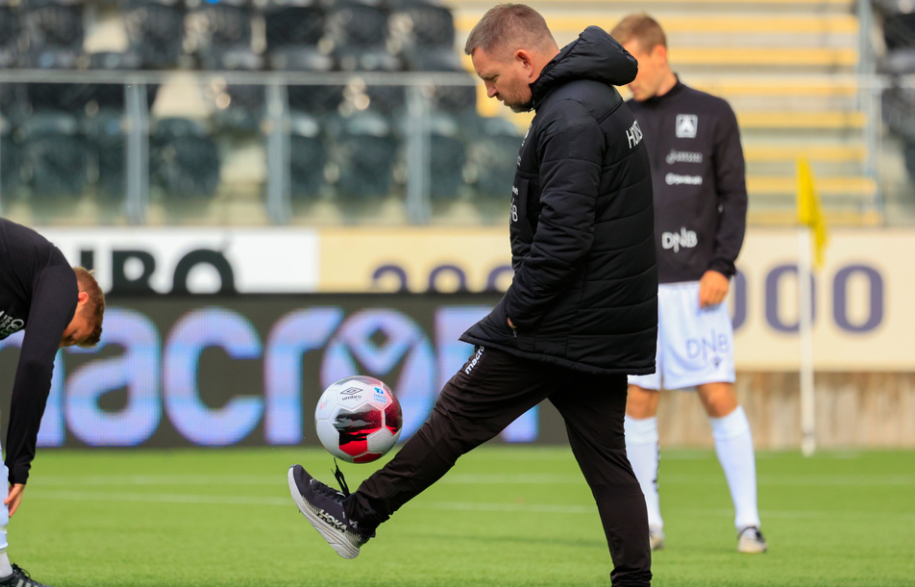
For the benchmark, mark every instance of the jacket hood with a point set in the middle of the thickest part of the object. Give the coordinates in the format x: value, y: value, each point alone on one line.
x: 594, y: 55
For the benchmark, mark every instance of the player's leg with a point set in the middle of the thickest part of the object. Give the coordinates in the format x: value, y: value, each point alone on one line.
x: 486, y: 395
x: 489, y: 392
x: 5, y: 568
x: 593, y: 409
x: 10, y: 575
x: 700, y: 354
x: 642, y: 445
x: 643, y: 450
x: 734, y: 446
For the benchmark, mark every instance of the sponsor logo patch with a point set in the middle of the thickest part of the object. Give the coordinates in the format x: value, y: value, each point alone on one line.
x: 683, y: 157
x: 674, y: 240
x: 687, y: 126
x: 634, y: 135
x: 675, y: 179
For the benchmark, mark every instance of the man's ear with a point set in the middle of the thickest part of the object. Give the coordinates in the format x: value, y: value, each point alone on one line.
x: 659, y: 54
x: 82, y: 298
x: 526, y: 59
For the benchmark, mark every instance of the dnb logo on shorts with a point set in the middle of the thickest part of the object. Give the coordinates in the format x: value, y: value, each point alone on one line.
x: 708, y: 349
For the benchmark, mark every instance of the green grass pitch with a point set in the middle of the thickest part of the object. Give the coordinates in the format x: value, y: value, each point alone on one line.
x: 506, y: 516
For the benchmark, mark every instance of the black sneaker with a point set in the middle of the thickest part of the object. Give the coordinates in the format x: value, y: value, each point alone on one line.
x: 323, y: 507
x: 20, y: 578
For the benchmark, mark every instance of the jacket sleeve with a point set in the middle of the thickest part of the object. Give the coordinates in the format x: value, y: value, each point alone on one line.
x: 52, y: 307
x: 730, y: 179
x: 571, y: 151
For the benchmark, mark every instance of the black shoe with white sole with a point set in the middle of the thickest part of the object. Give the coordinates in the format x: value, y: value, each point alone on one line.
x: 20, y: 578
x: 323, y: 507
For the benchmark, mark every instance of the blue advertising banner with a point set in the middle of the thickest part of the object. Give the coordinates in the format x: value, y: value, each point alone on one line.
x: 249, y: 369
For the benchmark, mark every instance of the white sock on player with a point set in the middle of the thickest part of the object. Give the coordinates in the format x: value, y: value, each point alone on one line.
x: 5, y: 568
x: 734, y: 445
x: 642, y: 450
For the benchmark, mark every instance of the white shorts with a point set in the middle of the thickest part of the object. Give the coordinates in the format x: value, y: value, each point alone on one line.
x: 695, y: 346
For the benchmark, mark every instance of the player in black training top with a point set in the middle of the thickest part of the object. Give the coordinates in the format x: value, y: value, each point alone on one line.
x: 700, y: 203
x: 57, y: 306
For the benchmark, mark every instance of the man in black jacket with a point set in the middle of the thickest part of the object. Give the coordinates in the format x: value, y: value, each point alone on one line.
x: 700, y: 199
x: 581, y: 311
x: 57, y: 306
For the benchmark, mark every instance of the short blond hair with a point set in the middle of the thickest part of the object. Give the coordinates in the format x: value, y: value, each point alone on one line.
x: 641, y: 28
x: 510, y: 26
x: 95, y: 307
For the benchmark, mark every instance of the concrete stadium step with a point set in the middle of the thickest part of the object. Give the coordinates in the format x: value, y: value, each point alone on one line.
x: 827, y: 186
x: 763, y: 23
x: 651, y: 6
x: 783, y: 214
x: 824, y: 153
x: 780, y: 120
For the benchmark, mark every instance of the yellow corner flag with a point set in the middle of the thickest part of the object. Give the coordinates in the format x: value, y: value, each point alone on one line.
x: 810, y: 209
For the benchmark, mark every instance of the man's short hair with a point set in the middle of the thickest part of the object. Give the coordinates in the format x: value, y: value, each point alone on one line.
x: 641, y: 28
x: 510, y: 27
x: 94, y: 310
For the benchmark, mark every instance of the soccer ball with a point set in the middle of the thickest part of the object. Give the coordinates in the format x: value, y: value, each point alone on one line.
x: 358, y: 419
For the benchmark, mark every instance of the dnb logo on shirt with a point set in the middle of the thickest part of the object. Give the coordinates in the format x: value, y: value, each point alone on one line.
x: 687, y: 126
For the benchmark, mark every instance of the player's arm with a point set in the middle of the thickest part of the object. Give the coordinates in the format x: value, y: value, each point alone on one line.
x: 52, y: 306
x: 571, y: 152
x: 730, y: 179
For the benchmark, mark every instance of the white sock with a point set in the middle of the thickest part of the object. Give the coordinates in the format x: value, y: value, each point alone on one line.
x: 734, y: 445
x: 642, y: 450
x: 5, y: 568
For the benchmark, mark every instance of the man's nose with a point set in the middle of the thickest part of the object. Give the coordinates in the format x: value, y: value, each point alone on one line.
x: 491, y: 91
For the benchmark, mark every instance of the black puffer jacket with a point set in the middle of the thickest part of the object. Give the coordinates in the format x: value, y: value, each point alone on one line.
x: 584, y: 293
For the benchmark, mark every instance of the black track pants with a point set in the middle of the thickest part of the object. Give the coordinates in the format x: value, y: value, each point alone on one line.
x: 489, y: 392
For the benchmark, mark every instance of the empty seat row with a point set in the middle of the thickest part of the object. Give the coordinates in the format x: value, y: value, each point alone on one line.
x: 220, y: 35
x: 54, y: 154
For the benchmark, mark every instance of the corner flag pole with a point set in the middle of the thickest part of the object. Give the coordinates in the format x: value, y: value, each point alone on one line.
x: 805, y: 327
x: 810, y: 223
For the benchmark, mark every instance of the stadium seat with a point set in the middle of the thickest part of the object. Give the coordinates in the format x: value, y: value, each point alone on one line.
x: 9, y: 37
x: 320, y: 99
x: 447, y: 156
x: 307, y: 156
x: 359, y: 34
x: 54, y: 35
x: 365, y: 152
x: 423, y: 26
x: 155, y: 31
x: 55, y: 160
x: 237, y: 108
x: 184, y: 161
x: 9, y: 161
x: 13, y: 102
x: 106, y: 136
x: 215, y: 28
x: 293, y: 24
x: 898, y: 23
x: 492, y: 156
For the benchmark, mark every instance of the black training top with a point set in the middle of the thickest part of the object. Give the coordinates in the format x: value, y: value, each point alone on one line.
x: 585, y: 290
x: 698, y: 174
x: 38, y: 293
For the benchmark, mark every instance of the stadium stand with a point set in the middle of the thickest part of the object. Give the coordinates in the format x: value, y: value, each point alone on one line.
x: 789, y: 68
